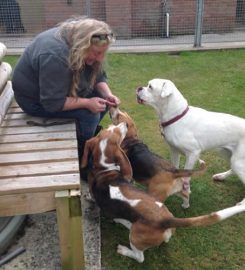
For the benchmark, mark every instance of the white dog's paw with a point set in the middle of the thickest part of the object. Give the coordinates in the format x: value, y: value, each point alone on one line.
x: 219, y: 177
x: 222, y: 176
x: 201, y: 161
x: 241, y: 202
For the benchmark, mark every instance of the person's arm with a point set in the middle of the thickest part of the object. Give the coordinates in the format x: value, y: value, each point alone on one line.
x: 55, y: 81
x: 94, y: 104
x: 104, y: 90
x: 73, y: 103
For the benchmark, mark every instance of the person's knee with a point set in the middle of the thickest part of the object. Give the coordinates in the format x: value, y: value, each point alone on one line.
x: 88, y: 124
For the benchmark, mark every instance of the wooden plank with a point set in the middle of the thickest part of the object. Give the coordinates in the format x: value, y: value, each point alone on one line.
x: 76, y: 229
x: 14, y: 104
x: 49, y: 168
x: 25, y: 121
x: 39, y: 137
x: 5, y: 71
x: 70, y: 230
x: 5, y: 100
x: 42, y: 183
x: 27, y: 203
x: 15, y: 110
x: 34, y: 146
x: 35, y: 129
x: 63, y: 213
x: 14, y: 116
x: 42, y: 156
x: 23, y: 115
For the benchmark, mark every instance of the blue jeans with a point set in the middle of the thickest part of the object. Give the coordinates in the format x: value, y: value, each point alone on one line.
x: 87, y: 121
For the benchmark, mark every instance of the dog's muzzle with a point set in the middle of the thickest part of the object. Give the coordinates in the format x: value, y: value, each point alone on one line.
x: 139, y: 100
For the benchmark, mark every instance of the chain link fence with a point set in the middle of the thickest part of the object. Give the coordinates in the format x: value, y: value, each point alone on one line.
x: 135, y: 22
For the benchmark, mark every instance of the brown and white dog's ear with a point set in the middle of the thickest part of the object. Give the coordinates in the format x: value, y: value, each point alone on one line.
x: 87, y: 149
x: 123, y: 162
x: 166, y: 89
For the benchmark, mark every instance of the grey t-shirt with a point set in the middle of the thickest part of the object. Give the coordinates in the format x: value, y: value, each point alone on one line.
x: 42, y: 74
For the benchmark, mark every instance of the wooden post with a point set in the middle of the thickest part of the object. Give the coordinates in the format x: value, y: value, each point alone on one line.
x: 70, y: 229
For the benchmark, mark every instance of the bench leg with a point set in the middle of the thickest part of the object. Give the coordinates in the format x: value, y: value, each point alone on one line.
x: 68, y: 208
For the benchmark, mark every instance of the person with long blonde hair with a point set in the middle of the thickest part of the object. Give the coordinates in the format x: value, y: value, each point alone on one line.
x: 61, y: 74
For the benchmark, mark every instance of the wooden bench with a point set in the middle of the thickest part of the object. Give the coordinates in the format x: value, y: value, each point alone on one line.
x: 39, y: 171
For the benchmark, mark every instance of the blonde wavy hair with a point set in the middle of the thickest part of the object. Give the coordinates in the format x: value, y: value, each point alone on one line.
x: 79, y: 33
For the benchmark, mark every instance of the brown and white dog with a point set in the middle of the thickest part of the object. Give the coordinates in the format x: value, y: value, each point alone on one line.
x: 160, y: 176
x: 190, y: 130
x: 149, y: 221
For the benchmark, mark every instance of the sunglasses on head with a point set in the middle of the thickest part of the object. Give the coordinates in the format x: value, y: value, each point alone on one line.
x: 102, y: 37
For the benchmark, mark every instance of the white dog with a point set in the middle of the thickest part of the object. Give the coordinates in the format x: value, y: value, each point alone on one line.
x: 190, y: 130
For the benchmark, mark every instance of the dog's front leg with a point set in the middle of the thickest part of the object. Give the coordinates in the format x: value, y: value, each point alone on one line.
x: 175, y: 156
x: 191, y: 159
x: 189, y: 165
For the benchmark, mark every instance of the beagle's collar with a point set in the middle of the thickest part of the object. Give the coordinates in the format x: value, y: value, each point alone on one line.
x: 175, y: 119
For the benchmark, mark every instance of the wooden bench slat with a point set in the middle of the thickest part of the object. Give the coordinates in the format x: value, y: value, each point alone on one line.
x: 33, y: 157
x: 35, y: 169
x: 23, y: 121
x: 54, y: 136
x: 14, y: 116
x: 39, y: 183
x: 34, y: 146
x: 14, y: 104
x: 36, y: 129
x: 14, y: 110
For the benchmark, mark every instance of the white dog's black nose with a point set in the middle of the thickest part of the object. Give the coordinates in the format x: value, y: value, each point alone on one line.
x: 139, y: 89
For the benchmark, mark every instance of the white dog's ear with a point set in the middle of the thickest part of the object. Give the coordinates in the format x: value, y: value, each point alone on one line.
x: 166, y: 90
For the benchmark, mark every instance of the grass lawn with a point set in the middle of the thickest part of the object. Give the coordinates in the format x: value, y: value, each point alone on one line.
x: 212, y: 80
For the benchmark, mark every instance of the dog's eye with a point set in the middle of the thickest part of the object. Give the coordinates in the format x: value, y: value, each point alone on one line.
x: 150, y: 87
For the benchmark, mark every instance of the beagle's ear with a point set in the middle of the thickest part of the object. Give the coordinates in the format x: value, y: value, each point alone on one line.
x: 166, y: 90
x: 87, y: 149
x: 125, y: 166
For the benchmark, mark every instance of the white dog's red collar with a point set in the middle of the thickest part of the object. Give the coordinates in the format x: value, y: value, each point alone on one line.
x: 176, y: 118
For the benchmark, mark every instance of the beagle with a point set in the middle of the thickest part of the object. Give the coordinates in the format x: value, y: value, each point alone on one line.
x: 160, y: 176
x: 149, y: 221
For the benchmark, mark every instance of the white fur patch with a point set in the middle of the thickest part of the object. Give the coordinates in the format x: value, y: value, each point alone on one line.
x: 167, y: 235
x: 108, y: 166
x: 159, y: 204
x: 111, y: 128
x: 228, y: 212
x: 115, y: 193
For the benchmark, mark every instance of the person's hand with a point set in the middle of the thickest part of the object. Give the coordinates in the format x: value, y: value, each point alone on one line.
x: 112, y: 100
x: 96, y: 104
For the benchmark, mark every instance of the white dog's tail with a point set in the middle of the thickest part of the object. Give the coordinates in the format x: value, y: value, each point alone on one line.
x: 205, y: 219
